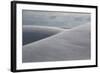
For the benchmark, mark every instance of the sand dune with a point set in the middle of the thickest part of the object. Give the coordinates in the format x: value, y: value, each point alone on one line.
x: 67, y: 45
x: 35, y: 33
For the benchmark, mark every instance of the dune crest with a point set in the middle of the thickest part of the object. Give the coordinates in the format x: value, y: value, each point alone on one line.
x: 34, y: 33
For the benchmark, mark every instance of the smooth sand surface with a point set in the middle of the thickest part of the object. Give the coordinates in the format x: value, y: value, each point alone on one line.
x: 67, y: 45
x: 35, y: 33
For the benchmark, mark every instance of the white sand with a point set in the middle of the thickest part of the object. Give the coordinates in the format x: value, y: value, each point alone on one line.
x: 67, y: 45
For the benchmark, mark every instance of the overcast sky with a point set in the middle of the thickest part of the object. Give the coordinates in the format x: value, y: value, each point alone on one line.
x: 55, y: 19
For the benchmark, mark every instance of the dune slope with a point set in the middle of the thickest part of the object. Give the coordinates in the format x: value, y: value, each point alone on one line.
x: 67, y: 45
x: 34, y: 33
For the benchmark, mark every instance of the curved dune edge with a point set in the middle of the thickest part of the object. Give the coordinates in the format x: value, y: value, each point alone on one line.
x: 35, y: 33
x: 67, y: 45
x: 43, y: 27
